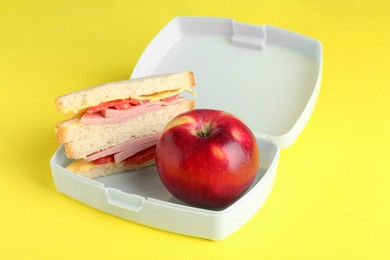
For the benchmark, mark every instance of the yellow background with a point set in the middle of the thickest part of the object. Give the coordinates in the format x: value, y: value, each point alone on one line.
x: 331, y: 198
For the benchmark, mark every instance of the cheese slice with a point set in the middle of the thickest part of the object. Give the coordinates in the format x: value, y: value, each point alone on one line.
x: 164, y: 94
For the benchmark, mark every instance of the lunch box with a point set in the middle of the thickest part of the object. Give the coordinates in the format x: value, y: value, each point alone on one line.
x: 267, y: 76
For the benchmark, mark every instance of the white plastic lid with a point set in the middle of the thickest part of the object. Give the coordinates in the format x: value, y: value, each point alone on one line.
x: 267, y: 76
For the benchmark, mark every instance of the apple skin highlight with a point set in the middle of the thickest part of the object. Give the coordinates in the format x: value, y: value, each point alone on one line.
x: 207, y: 158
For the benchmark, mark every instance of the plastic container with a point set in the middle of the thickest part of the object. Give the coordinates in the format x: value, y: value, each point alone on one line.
x: 269, y: 77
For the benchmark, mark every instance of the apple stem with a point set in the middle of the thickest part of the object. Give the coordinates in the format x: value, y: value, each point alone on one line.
x: 205, y: 131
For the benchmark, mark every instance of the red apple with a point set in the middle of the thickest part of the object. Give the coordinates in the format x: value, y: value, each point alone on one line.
x: 207, y: 158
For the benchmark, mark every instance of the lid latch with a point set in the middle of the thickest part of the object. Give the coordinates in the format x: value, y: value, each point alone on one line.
x: 124, y: 200
x: 249, y: 36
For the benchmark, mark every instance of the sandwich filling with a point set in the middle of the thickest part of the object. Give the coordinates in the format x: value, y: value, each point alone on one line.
x: 136, y: 150
x: 120, y: 111
x: 136, y: 159
x: 124, y: 151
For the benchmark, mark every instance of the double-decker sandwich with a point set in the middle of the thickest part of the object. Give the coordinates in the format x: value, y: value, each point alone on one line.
x: 115, y: 126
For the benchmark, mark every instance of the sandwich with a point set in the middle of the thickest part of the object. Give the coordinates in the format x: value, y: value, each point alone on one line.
x: 114, y: 127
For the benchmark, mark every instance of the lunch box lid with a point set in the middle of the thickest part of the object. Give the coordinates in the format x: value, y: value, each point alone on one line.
x: 267, y: 76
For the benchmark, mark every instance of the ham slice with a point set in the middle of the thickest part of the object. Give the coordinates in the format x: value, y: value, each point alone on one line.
x: 117, y: 116
x: 123, y: 151
x: 119, y: 157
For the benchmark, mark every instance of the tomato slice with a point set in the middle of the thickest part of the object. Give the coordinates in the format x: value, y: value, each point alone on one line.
x: 141, y: 157
x: 108, y: 104
x: 105, y: 159
x: 136, y: 102
x: 122, y: 104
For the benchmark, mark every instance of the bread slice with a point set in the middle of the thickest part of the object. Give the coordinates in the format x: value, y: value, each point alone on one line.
x: 81, y: 140
x: 141, y: 88
x: 91, y: 170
